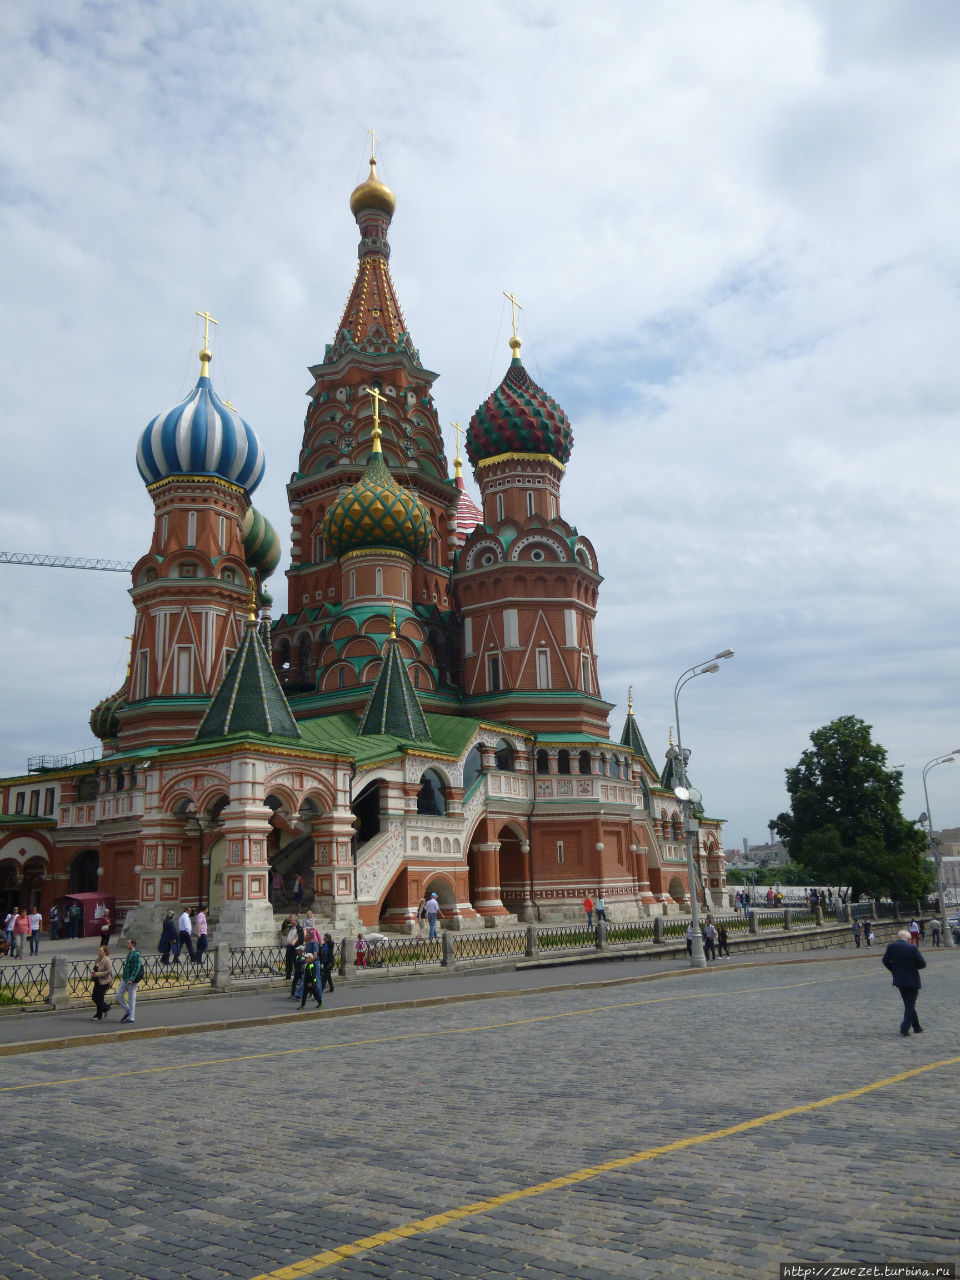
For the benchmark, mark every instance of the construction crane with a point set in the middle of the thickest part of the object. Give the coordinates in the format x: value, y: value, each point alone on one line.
x: 65, y: 562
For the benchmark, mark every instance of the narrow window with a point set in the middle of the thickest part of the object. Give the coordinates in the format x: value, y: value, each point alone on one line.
x: 184, y: 669
x: 48, y: 799
x: 543, y: 669
x: 467, y: 637
x: 35, y: 803
x: 543, y: 762
x: 493, y: 674
x: 529, y: 502
x: 511, y: 629
x: 499, y: 506
x: 585, y: 673
x: 142, y: 668
x: 191, y: 529
x: 379, y: 583
x: 21, y: 801
x: 341, y: 678
x: 559, y: 850
x: 223, y: 533
x: 352, y: 585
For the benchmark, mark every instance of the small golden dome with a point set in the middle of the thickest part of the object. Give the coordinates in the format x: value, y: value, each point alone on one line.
x: 373, y: 194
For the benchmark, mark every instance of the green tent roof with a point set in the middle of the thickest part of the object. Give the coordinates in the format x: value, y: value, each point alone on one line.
x: 393, y: 706
x: 249, y: 699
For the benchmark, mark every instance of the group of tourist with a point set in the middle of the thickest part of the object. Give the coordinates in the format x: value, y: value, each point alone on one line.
x: 715, y: 941
x: 178, y: 935
x: 308, y: 959
x: 591, y: 905
x: 20, y: 926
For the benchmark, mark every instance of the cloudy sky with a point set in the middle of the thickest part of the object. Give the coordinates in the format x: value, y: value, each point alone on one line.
x: 731, y: 224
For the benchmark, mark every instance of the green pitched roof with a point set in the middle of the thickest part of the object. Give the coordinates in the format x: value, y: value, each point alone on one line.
x: 393, y: 706
x: 249, y: 699
x: 633, y: 738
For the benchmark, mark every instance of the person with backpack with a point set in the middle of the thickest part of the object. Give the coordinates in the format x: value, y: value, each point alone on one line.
x: 133, y: 972
x: 296, y: 981
x: 311, y: 981
x: 327, y: 957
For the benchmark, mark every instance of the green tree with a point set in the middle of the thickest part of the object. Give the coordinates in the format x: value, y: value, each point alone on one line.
x: 845, y: 824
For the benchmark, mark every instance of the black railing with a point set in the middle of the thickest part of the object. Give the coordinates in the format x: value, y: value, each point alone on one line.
x: 399, y: 952
x: 484, y: 946
x: 561, y: 937
x: 23, y: 983
x: 257, y: 962
x: 625, y: 931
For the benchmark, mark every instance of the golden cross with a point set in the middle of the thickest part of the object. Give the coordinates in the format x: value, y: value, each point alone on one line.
x: 630, y: 700
x: 461, y: 431
x: 373, y: 145
x: 376, y: 396
x: 514, y: 308
x: 230, y: 406
x: 252, y: 601
x: 208, y: 320
x: 393, y: 623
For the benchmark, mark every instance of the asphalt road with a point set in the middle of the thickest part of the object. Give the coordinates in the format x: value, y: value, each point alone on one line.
x: 709, y: 1125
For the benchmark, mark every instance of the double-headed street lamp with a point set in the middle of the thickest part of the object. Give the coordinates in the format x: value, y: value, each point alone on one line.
x: 690, y: 824
x: 934, y: 848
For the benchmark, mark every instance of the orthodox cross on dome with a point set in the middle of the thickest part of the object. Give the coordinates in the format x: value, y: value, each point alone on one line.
x: 373, y: 145
x: 252, y: 601
x: 514, y: 308
x: 205, y: 355
x: 376, y: 395
x: 393, y: 623
x: 457, y: 460
x: 630, y: 700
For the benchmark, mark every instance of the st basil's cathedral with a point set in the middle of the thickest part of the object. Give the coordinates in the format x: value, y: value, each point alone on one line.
x: 424, y: 717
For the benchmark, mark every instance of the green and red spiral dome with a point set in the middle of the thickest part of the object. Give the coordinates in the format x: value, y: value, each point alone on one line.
x: 519, y: 417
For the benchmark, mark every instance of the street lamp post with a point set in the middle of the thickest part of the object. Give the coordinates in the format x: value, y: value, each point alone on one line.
x: 935, y: 849
x: 690, y: 824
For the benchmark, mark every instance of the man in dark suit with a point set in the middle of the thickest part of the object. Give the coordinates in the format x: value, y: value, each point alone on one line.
x: 904, y: 961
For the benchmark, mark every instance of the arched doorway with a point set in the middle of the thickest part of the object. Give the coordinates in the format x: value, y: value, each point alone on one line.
x: 513, y: 869
x: 83, y: 872
x: 677, y: 889
x: 446, y: 897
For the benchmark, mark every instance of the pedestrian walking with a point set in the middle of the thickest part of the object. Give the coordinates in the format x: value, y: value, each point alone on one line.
x: 432, y: 909
x: 185, y: 934
x: 328, y: 953
x: 21, y: 931
x: 904, y: 960
x: 690, y: 939
x: 723, y: 946
x: 102, y: 974
x: 106, y: 926
x: 35, y: 920
x: 935, y: 931
x: 292, y: 937
x: 201, y: 923
x: 421, y: 915
x: 710, y: 939
x: 311, y: 982
x: 588, y: 908
x: 312, y: 945
x: 74, y: 917
x: 133, y: 972
x: 298, y: 890
x: 360, y: 952
x: 856, y: 933
x: 914, y: 933
x: 8, y: 922
x: 600, y: 907
x: 168, y: 939
x: 54, y: 922
x: 296, y: 978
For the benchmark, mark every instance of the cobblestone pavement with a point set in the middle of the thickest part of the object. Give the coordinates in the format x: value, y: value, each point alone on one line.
x: 243, y: 1153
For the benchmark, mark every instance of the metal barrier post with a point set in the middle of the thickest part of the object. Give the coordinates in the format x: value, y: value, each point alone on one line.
x: 448, y: 958
x: 58, y: 985
x: 531, y: 948
x: 658, y: 928
x: 788, y: 919
x: 600, y: 937
x: 222, y: 978
x: 754, y: 922
x: 344, y: 952
x: 819, y: 916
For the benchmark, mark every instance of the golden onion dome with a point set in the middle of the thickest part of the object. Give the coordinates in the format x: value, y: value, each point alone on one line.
x: 373, y: 194
x: 377, y: 512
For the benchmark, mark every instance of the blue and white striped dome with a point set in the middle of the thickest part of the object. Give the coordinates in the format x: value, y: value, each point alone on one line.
x: 201, y: 436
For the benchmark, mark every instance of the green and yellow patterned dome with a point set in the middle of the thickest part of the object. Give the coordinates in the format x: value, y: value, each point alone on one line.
x: 377, y: 512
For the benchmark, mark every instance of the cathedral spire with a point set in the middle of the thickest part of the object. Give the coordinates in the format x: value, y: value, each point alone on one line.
x: 631, y: 736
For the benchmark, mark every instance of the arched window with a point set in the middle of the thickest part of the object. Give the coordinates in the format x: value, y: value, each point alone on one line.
x: 379, y: 582
x: 504, y: 756
x: 611, y: 766
x: 563, y: 760
x: 472, y: 766
x: 432, y: 796
x: 304, y: 655
x: 584, y: 761
x: 543, y: 762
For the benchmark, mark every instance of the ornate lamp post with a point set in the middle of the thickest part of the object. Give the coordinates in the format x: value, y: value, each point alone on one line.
x: 690, y: 824
x: 934, y: 847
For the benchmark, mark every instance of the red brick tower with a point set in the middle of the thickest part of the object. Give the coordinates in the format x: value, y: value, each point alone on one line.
x: 526, y: 581
x: 371, y: 353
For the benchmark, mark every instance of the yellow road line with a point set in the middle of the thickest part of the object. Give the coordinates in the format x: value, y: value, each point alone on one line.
x: 421, y: 1035
x: 422, y: 1226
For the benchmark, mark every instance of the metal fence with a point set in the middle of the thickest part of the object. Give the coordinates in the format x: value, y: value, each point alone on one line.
x: 564, y: 937
x: 620, y: 932
x: 177, y: 975
x: 23, y: 983
x: 257, y: 962
x: 405, y: 952
x: 486, y: 945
